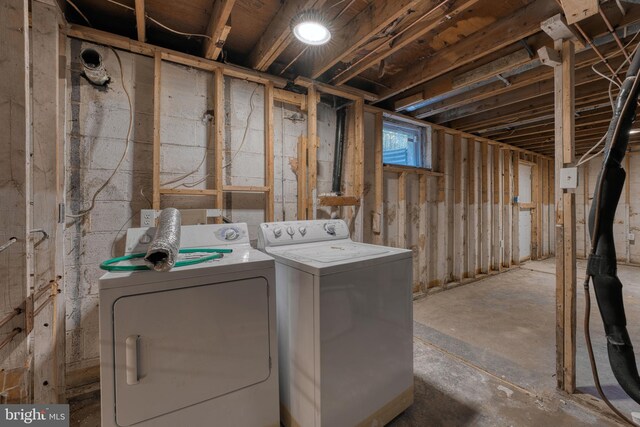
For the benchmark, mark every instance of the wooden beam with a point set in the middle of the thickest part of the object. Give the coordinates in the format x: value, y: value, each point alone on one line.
x: 549, y: 57
x: 292, y: 98
x: 268, y: 151
x: 500, y: 65
x: 377, y: 220
x: 312, y: 150
x: 497, y: 209
x: 48, y: 138
x: 521, y: 24
x: 218, y: 138
x: 188, y: 191
x: 347, y: 92
x: 302, y: 178
x: 557, y: 28
x: 565, y: 221
x: 108, y: 39
x: 577, y: 10
x: 157, y: 83
x: 472, y: 221
x: 373, y: 19
x: 507, y: 204
x: 423, y: 258
x: 277, y: 37
x: 402, y: 210
x: 223, y: 38
x: 485, y: 258
x: 219, y: 17
x: 141, y: 21
x: 459, y: 199
x: 436, y: 15
x: 442, y: 85
x: 338, y: 201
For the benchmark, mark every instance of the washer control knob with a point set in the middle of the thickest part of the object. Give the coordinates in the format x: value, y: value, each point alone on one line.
x: 330, y: 228
x: 277, y: 232
x: 291, y: 231
x: 230, y: 234
x: 302, y: 230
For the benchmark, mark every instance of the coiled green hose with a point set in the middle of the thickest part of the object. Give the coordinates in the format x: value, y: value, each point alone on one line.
x: 216, y: 253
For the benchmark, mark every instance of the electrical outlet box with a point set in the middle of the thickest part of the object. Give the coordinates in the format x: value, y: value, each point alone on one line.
x: 569, y: 178
x: 632, y: 237
x: 148, y: 218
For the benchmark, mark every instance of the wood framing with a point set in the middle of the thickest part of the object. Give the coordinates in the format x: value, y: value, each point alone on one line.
x: 485, y: 258
x: 218, y: 138
x: 312, y: 150
x: 302, y: 178
x: 219, y: 17
x: 47, y: 174
x: 565, y: 221
x: 268, y: 151
x: 141, y: 21
x: 459, y: 232
x: 157, y: 82
x: 365, y: 25
x: 472, y: 220
x: 506, y: 31
x: 277, y: 37
x: 402, y: 211
x: 377, y: 219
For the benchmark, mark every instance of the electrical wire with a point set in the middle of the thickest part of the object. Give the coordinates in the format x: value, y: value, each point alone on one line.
x: 85, y: 212
x: 246, y: 129
x: 160, y: 24
x: 584, y: 159
x: 73, y: 5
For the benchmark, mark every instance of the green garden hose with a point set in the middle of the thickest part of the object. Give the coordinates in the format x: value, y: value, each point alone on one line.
x: 216, y: 253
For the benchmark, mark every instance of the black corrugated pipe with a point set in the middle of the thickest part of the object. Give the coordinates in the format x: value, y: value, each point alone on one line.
x: 341, y: 114
x: 602, y: 265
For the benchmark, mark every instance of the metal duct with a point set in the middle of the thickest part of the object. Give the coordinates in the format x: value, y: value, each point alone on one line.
x: 339, y: 151
x: 93, y: 66
x: 163, y: 249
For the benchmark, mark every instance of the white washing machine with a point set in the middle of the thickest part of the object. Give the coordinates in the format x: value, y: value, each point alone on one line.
x: 195, y: 346
x: 345, y: 325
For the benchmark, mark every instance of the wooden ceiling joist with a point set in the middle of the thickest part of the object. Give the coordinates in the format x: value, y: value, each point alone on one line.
x: 436, y: 12
x: 347, y: 92
x: 278, y: 35
x: 141, y: 21
x: 511, y: 29
x: 371, y: 21
x: 584, y: 76
x: 215, y: 29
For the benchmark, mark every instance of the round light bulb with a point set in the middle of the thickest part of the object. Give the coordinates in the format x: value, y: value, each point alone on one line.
x: 313, y: 33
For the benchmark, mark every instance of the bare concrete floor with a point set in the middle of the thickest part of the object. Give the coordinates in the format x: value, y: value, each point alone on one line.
x: 500, y: 333
x: 484, y: 355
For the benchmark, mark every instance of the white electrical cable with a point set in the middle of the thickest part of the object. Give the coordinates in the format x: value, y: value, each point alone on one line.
x: 584, y: 159
x: 85, y: 212
x: 155, y: 21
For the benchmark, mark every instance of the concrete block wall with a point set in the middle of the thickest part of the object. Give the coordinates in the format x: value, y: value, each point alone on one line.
x: 96, y: 140
x: 627, y: 219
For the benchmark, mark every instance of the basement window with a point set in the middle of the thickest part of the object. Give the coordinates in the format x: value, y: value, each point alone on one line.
x: 405, y: 145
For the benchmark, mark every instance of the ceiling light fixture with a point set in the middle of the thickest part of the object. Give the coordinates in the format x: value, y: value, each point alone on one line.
x: 309, y: 27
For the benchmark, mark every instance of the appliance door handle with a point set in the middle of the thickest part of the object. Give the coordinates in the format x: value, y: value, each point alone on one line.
x: 131, y: 359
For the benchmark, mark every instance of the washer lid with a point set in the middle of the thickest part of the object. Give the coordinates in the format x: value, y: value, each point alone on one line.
x: 336, y: 252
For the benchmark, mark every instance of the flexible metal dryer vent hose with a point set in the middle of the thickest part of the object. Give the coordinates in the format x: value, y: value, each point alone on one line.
x: 163, y: 249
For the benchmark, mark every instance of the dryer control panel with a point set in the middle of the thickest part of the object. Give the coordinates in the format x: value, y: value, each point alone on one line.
x: 191, y: 236
x: 294, y: 232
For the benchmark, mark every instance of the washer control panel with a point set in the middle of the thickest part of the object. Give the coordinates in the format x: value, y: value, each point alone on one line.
x: 191, y: 236
x: 293, y: 232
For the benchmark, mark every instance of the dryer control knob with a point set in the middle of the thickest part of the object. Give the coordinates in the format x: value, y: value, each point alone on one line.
x: 302, y: 230
x: 330, y: 228
x: 291, y: 231
x: 277, y: 232
x: 230, y: 234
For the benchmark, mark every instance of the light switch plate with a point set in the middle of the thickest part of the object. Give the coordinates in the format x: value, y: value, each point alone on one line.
x: 568, y: 178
